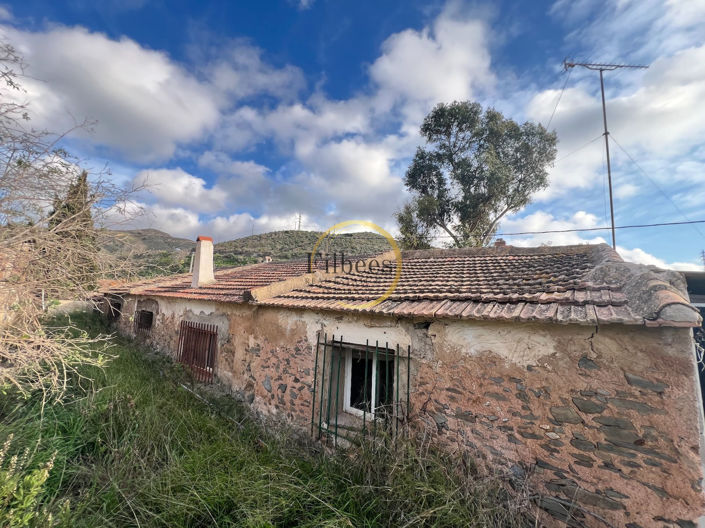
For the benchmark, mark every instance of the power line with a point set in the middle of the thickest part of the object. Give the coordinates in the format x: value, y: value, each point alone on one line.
x: 574, y: 230
x: 578, y: 149
x: 653, y: 182
x: 577, y: 230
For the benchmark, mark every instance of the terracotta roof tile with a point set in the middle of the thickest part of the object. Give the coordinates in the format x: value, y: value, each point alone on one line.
x: 555, y: 284
x: 586, y: 284
x: 232, y: 284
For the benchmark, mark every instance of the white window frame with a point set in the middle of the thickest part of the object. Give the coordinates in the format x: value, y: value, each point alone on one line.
x: 348, y: 385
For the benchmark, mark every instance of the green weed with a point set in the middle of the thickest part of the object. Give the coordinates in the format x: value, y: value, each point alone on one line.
x: 128, y: 446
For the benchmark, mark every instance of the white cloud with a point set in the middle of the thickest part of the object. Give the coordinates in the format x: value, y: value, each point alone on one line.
x: 658, y: 118
x: 639, y: 29
x: 181, y: 222
x: 639, y: 256
x: 348, y: 155
x: 626, y: 190
x: 143, y: 102
x: 176, y: 221
x: 241, y: 73
x: 179, y: 188
x: 445, y: 61
x: 221, y: 163
x: 543, y: 221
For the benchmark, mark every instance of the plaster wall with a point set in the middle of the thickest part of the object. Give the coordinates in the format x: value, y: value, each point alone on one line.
x: 607, y: 416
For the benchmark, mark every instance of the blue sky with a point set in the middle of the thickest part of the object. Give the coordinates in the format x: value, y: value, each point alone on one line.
x: 239, y: 116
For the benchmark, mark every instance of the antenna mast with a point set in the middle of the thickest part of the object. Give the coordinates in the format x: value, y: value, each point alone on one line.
x: 603, y: 68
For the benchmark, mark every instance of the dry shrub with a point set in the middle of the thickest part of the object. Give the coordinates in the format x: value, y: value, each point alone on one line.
x: 49, y: 209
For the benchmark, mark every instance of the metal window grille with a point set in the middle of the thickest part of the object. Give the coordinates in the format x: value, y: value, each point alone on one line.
x: 198, y: 345
x: 359, y: 389
x: 143, y: 321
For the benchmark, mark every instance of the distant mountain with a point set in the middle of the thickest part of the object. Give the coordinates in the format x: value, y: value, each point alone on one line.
x: 158, y: 253
x: 142, y: 241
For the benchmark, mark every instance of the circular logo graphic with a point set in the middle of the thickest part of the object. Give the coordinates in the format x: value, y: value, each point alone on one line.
x: 392, y: 243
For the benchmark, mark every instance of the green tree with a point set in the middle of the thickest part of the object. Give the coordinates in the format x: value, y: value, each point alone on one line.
x: 73, y: 212
x: 477, y: 167
x: 72, y: 221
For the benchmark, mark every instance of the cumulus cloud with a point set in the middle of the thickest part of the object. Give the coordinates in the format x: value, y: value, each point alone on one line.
x: 544, y: 221
x: 445, y: 61
x: 241, y: 72
x: 182, y: 222
x: 640, y: 256
x: 179, y: 188
x: 349, y: 155
x: 143, y: 102
x: 653, y: 114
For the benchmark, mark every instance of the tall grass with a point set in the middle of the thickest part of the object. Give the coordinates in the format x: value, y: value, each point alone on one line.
x: 128, y: 446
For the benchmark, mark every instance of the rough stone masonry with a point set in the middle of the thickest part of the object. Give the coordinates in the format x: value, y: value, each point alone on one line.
x: 563, y: 366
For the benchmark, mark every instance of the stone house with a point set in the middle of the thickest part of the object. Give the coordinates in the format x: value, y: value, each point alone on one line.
x: 565, y: 363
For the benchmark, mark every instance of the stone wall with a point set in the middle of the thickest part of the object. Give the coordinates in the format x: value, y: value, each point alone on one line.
x: 607, y: 416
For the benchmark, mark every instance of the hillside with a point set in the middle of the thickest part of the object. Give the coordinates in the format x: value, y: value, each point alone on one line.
x: 287, y: 245
x: 142, y: 241
x: 158, y: 253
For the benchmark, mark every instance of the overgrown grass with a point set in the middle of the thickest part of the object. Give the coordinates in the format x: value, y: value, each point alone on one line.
x: 130, y: 447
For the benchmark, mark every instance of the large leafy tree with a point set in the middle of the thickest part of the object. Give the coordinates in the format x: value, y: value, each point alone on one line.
x: 477, y: 167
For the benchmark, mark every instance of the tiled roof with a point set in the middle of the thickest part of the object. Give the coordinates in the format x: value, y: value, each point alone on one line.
x: 231, y: 285
x: 583, y: 284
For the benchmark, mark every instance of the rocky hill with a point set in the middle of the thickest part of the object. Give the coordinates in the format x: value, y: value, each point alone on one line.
x: 158, y: 253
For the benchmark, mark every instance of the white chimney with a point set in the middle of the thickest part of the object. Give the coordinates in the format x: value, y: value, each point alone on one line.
x: 203, y: 262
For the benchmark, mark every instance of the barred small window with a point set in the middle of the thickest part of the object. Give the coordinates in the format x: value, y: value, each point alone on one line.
x: 144, y: 319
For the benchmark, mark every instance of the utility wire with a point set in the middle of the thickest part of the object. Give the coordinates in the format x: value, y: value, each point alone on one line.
x: 634, y: 226
x: 578, y: 149
x: 653, y: 182
x: 559, y: 99
x: 575, y: 230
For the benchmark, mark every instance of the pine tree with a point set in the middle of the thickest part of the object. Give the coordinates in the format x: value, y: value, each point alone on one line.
x: 72, y: 219
x: 73, y: 212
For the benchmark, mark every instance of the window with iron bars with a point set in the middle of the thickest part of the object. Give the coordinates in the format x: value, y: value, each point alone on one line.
x: 359, y: 388
x: 144, y: 319
x: 198, y: 346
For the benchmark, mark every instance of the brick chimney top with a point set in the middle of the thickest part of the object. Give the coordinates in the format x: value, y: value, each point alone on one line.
x: 499, y: 242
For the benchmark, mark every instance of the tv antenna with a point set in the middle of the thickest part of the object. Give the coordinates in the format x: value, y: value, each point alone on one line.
x: 603, y: 68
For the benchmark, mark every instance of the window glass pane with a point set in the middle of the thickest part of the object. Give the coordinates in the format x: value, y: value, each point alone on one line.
x: 385, y: 383
x: 359, y: 397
